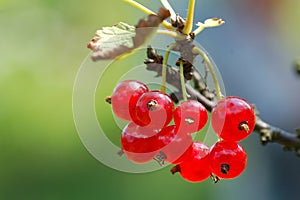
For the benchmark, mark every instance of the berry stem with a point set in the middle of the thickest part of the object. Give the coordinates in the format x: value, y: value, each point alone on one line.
x: 182, y: 81
x: 196, y: 50
x: 175, y: 35
x: 189, y: 18
x: 139, y: 6
x: 164, y: 68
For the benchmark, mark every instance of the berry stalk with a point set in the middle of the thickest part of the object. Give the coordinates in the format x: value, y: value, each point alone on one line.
x: 139, y: 6
x: 196, y: 50
x: 164, y: 67
x: 189, y: 18
x: 183, y: 89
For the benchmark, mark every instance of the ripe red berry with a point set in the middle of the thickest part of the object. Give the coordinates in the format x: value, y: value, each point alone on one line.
x: 142, y: 144
x: 233, y: 118
x: 137, y: 145
x: 177, y: 147
x: 196, y: 168
x: 154, y: 109
x: 190, y: 116
x: 125, y: 96
x: 227, y: 159
x: 134, y: 140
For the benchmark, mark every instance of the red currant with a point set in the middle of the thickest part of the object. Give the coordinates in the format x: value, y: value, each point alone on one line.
x: 136, y: 141
x: 125, y: 96
x: 233, y: 118
x: 227, y: 159
x: 154, y: 109
x: 178, y: 150
x: 196, y: 168
x: 136, y: 144
x: 190, y: 116
x: 177, y: 147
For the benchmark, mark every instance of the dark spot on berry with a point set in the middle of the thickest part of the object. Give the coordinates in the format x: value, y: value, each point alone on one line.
x: 224, y: 168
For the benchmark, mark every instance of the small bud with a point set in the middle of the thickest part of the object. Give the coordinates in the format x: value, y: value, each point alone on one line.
x: 213, y: 22
x: 209, y: 23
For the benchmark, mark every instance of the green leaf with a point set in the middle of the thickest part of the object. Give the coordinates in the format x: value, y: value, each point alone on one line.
x: 121, y: 39
x: 112, y: 37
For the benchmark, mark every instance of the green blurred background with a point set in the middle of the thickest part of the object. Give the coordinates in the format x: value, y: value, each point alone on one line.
x: 42, y: 45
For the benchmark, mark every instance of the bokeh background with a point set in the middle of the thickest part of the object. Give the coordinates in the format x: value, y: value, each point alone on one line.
x: 42, y: 45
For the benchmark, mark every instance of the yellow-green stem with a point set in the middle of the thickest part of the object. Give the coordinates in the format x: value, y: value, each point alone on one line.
x: 189, y: 18
x: 164, y: 68
x: 139, y: 6
x: 183, y: 89
x: 173, y: 34
x: 211, y: 69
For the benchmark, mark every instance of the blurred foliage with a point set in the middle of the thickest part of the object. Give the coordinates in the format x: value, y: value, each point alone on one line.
x: 297, y: 66
x: 42, y: 45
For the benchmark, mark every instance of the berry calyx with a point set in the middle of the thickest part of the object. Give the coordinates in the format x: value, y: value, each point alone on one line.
x: 125, y: 96
x: 154, y: 109
x: 227, y: 159
x: 233, y: 118
x: 196, y: 168
x: 190, y: 116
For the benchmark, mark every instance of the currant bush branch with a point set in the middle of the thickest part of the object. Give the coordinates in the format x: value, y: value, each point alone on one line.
x: 267, y: 132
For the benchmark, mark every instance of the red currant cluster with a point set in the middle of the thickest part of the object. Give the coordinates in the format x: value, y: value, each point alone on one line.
x: 149, y: 134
